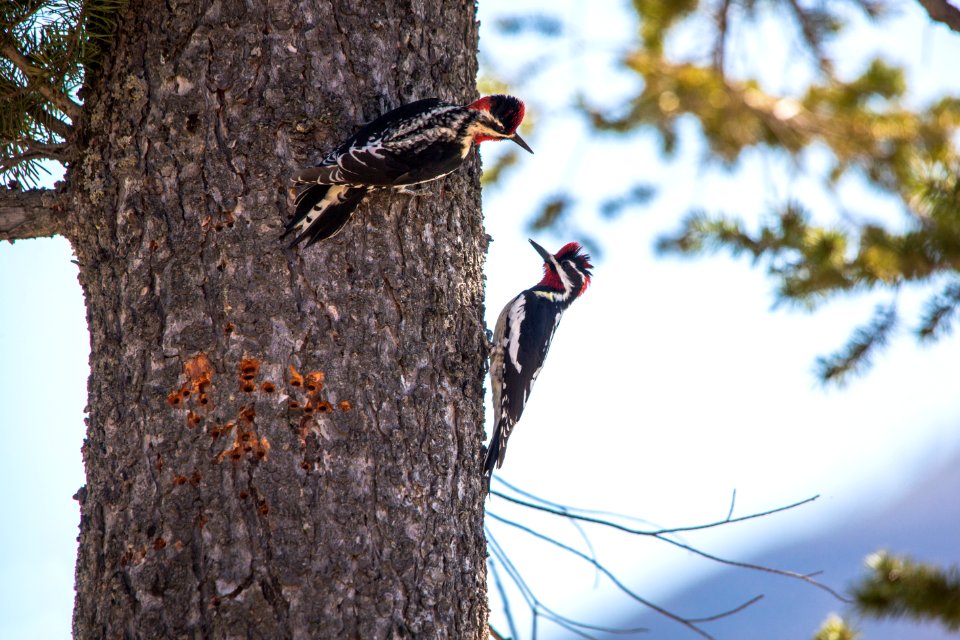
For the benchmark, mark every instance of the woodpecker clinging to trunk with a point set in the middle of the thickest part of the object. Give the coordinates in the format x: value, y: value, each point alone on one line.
x: 522, y: 338
x: 415, y: 143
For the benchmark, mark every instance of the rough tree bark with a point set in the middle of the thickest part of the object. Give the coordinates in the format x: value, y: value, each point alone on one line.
x: 222, y: 498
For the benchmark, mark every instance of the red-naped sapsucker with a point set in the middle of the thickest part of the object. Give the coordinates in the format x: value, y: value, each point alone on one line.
x: 522, y: 338
x: 416, y: 143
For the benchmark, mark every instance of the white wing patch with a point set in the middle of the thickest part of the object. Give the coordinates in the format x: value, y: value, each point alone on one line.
x: 517, y: 313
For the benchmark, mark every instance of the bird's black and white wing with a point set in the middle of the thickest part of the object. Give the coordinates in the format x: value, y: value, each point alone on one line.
x: 522, y: 339
x: 411, y: 144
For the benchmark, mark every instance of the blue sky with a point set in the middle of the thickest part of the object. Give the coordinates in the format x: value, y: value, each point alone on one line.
x: 670, y: 383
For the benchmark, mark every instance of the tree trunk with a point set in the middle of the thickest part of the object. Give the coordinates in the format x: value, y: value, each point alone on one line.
x: 229, y: 492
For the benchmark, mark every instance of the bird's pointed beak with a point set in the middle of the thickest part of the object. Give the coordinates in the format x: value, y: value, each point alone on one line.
x: 520, y: 141
x: 547, y: 257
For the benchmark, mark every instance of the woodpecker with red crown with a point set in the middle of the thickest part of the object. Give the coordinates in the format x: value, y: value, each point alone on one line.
x: 416, y: 143
x: 522, y: 338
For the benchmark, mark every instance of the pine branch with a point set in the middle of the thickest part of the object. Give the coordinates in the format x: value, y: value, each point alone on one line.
x: 16, y: 102
x: 834, y: 628
x: 812, y: 34
x: 49, y: 121
x: 35, y: 78
x: 900, y: 587
x: 939, y: 313
x: 943, y: 12
x: 862, y: 345
x: 33, y: 151
x: 29, y: 214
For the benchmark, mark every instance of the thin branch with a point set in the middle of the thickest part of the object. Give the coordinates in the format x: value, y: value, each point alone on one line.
x: 663, y: 535
x: 27, y: 13
x: 730, y: 612
x: 35, y: 78
x: 503, y: 596
x: 50, y: 121
x: 525, y: 591
x: 512, y: 572
x: 29, y: 214
x: 943, y: 12
x: 557, y: 505
x: 35, y: 109
x: 664, y: 612
x: 864, y: 343
x: 939, y: 313
x: 733, y: 503
x: 534, y: 603
x: 569, y: 512
x: 35, y: 151
x: 804, y: 577
x: 537, y: 607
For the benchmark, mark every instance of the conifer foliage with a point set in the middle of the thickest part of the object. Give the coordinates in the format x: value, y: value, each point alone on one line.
x: 47, y: 50
x: 869, y: 128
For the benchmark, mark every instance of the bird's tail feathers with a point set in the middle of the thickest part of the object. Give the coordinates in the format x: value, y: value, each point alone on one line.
x: 321, y: 212
x: 494, y: 456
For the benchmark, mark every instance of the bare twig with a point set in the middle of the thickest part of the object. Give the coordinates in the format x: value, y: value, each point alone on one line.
x: 729, y: 612
x: 503, y: 596
x: 36, y: 79
x: 557, y: 505
x: 804, y: 577
x: 537, y: 607
x: 733, y: 503
x: 664, y: 535
x: 571, y: 512
x: 664, y: 612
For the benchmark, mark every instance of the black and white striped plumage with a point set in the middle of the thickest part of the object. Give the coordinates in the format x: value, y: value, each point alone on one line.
x: 522, y: 338
x: 415, y: 143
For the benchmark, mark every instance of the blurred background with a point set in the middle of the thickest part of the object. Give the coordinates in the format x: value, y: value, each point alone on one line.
x: 769, y: 192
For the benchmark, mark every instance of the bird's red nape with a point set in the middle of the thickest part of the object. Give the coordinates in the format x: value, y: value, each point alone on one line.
x: 483, y: 104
